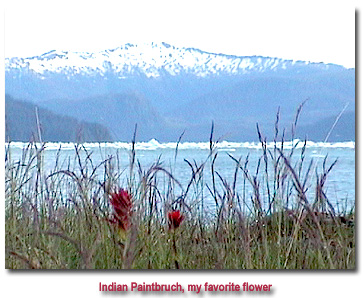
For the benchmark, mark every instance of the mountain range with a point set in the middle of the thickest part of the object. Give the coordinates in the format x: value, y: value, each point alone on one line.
x: 167, y: 90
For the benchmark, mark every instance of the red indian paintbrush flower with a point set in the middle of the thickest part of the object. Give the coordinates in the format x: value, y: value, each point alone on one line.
x: 174, y: 219
x: 122, y: 205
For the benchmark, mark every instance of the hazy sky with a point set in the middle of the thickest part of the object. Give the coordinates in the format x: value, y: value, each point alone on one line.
x: 319, y: 31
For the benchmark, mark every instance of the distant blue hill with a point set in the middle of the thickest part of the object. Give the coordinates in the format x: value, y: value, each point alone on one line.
x: 343, y: 130
x: 21, y: 125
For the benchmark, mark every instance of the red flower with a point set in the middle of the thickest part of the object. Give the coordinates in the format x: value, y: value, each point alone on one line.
x: 174, y: 219
x: 122, y: 205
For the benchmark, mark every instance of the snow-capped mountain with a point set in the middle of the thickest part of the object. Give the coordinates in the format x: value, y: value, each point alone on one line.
x: 153, y: 60
x: 167, y: 90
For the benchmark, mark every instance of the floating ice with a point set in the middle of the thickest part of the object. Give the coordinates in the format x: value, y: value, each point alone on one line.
x: 153, y: 144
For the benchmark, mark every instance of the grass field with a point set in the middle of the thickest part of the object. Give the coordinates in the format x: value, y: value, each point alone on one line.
x: 65, y: 219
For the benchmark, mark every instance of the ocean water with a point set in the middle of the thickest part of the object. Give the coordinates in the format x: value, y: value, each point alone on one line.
x: 177, y: 159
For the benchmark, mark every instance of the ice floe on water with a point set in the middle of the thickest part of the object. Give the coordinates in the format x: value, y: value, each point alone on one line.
x: 153, y: 144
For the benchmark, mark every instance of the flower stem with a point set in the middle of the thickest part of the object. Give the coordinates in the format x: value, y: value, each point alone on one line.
x: 175, y: 249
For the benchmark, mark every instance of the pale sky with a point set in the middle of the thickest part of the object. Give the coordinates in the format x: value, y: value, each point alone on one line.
x: 317, y: 31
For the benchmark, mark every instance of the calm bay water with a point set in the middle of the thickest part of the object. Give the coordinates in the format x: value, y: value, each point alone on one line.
x: 339, y: 186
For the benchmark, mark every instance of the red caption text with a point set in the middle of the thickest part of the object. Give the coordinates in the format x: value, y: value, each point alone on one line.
x: 177, y: 287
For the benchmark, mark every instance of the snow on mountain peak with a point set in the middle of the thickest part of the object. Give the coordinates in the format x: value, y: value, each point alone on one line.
x: 150, y: 59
